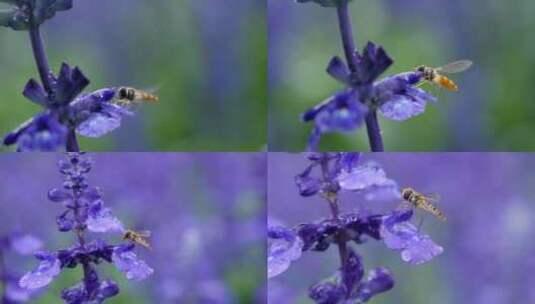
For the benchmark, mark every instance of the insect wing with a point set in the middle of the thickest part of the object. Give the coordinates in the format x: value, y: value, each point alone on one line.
x: 432, y: 197
x: 144, y: 233
x: 455, y: 67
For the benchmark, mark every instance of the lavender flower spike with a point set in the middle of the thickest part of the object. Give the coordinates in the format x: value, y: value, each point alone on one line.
x: 85, y: 212
x: 327, y: 175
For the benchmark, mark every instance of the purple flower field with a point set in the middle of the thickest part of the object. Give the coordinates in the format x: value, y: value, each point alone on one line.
x: 73, y: 212
x: 482, y: 252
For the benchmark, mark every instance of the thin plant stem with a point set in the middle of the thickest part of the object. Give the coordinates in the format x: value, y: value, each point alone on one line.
x: 40, y: 57
x: 333, y: 201
x: 348, y: 43
x: 45, y: 73
x: 72, y: 142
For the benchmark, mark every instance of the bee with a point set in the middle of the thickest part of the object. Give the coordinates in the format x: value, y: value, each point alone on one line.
x: 138, y: 237
x: 423, y: 201
x: 433, y: 75
x: 128, y: 95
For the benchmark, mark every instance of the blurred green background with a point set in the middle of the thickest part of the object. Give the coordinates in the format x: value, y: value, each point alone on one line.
x: 206, y: 58
x: 494, y: 109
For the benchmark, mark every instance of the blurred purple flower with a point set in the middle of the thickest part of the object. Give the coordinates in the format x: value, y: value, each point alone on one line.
x: 25, y: 244
x: 22, y: 244
x: 41, y: 133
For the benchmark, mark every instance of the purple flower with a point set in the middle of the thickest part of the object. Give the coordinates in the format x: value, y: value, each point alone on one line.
x: 398, y: 98
x: 79, y: 293
x: 345, y: 173
x: 307, y: 184
x: 41, y: 133
x: 318, y: 236
x: 352, y: 271
x: 92, y: 115
x: 328, y: 174
x: 400, y: 235
x: 342, y: 112
x: 348, y: 285
x: 101, y: 219
x: 371, y: 179
x: 284, y: 247
x: 379, y: 280
x: 84, y: 212
x: 96, y: 115
x: 345, y: 111
x: 370, y: 65
x: 126, y: 261
x: 48, y: 269
x: 22, y: 244
x: 327, y: 292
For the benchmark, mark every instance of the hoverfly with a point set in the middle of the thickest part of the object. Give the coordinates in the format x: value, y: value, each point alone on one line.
x: 138, y: 237
x: 433, y: 75
x: 426, y: 202
x: 128, y: 96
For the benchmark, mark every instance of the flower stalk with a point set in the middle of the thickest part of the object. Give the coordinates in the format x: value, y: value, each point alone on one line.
x: 41, y: 60
x: 46, y: 75
x: 372, y: 123
x: 332, y: 199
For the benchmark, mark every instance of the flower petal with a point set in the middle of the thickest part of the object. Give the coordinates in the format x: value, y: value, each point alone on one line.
x: 100, y: 123
x: 101, y: 219
x: 339, y: 71
x: 43, y: 133
x: 401, y: 235
x: 127, y: 262
x: 47, y: 270
x: 36, y: 93
x: 364, y: 177
x: 402, y: 107
x: 284, y: 247
x: 307, y: 184
x: 379, y: 280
